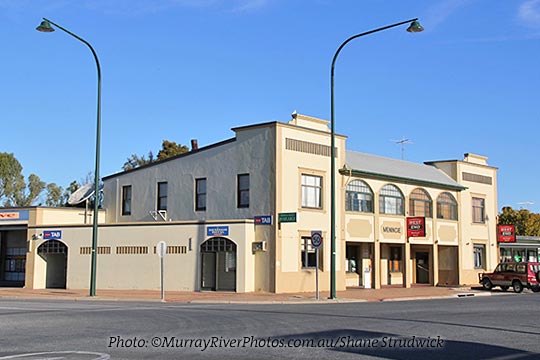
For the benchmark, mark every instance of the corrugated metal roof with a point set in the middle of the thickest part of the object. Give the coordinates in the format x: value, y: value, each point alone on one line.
x: 406, y: 170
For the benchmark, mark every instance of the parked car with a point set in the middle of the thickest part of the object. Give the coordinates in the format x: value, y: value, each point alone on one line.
x: 518, y: 275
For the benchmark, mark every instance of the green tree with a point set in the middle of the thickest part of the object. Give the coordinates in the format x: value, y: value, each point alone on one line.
x: 74, y: 186
x: 10, y: 176
x: 14, y: 191
x: 25, y: 194
x: 170, y: 149
x: 55, y: 195
x: 134, y: 161
x: 527, y: 223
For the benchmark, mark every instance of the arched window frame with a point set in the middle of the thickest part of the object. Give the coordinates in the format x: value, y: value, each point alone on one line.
x: 420, y: 203
x: 447, y: 208
x: 359, y: 197
x: 391, y: 200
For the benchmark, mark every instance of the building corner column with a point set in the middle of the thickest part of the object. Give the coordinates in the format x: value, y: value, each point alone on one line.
x: 377, y: 264
x: 407, y: 265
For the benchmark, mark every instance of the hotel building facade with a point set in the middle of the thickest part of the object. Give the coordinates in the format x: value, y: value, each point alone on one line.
x: 238, y: 216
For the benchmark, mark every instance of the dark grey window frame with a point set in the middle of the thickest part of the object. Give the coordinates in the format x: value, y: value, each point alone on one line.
x: 162, y: 195
x: 242, y: 191
x: 200, y: 194
x: 127, y: 193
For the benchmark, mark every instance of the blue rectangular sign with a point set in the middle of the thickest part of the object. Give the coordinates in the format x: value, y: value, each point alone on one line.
x: 52, y: 235
x: 217, y: 231
x: 263, y: 220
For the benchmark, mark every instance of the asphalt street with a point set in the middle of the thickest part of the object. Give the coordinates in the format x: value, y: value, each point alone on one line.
x: 496, y: 327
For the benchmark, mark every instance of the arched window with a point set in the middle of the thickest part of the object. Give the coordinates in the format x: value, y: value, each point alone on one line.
x: 391, y: 201
x: 447, y: 207
x: 420, y: 203
x: 359, y: 197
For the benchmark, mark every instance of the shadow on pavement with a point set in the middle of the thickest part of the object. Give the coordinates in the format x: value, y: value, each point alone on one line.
x: 390, y: 346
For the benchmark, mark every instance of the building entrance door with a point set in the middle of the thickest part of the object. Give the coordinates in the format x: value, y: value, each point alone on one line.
x: 208, y: 271
x: 218, y: 271
x: 54, y: 253
x: 422, y: 268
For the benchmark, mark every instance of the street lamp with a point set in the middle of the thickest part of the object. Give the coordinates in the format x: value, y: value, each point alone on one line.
x: 413, y: 27
x: 45, y: 26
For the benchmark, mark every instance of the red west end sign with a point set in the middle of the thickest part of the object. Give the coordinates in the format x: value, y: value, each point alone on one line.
x: 416, y: 226
x: 506, y: 233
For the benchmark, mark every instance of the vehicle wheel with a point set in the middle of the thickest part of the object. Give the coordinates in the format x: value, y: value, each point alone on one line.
x: 535, y: 288
x: 517, y: 286
x: 487, y: 284
x: 504, y: 288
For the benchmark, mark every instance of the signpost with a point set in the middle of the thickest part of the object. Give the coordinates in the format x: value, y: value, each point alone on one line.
x: 161, y: 250
x: 316, y: 243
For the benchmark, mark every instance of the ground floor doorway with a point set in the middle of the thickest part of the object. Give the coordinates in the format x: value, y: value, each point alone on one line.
x: 359, y: 265
x: 448, y: 265
x: 54, y: 253
x: 12, y: 258
x: 218, y: 265
x: 422, y: 267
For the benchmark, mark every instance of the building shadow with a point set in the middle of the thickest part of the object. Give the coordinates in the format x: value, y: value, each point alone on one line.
x: 392, y: 346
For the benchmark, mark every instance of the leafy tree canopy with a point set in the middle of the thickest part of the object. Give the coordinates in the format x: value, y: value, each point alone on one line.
x: 14, y: 190
x: 527, y: 223
x: 168, y: 149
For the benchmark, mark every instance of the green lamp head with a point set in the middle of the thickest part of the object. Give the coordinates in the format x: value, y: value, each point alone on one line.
x: 415, y: 27
x: 45, y: 26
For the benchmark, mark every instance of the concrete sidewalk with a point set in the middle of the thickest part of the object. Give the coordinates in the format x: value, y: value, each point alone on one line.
x: 350, y: 295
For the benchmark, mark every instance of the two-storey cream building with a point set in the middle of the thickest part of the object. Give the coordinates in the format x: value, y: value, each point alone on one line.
x: 238, y: 215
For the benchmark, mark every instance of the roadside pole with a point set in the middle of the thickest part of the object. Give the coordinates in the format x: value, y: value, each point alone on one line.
x: 317, y: 273
x: 161, y: 250
x: 316, y: 243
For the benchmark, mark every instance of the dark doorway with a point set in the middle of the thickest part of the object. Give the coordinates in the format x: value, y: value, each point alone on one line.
x: 218, y: 272
x: 422, y: 268
x: 54, y: 253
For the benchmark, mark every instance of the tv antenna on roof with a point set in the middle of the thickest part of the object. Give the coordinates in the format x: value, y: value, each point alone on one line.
x: 84, y: 193
x: 526, y: 204
x: 403, y: 141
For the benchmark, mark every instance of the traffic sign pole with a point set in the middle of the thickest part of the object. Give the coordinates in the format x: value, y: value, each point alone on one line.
x: 317, y: 274
x: 316, y: 243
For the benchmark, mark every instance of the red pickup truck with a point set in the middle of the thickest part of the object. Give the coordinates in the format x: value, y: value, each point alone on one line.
x: 518, y: 275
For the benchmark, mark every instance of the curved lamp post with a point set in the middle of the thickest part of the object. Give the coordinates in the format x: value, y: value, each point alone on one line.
x: 413, y: 27
x: 45, y: 26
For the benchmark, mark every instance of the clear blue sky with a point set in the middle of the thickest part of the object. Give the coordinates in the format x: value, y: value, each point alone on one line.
x: 184, y: 69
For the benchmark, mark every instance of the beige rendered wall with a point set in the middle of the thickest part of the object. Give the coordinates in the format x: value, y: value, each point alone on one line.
x: 477, y: 233
x: 142, y: 271
x: 67, y: 216
x: 290, y: 165
x: 385, y: 230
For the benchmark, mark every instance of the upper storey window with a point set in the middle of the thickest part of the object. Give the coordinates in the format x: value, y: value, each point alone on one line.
x: 391, y: 200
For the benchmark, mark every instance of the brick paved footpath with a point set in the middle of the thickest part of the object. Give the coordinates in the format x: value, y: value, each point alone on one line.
x: 350, y: 295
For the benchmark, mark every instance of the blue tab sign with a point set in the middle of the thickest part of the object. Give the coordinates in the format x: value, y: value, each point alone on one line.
x: 52, y: 235
x: 263, y: 220
x: 217, y: 231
